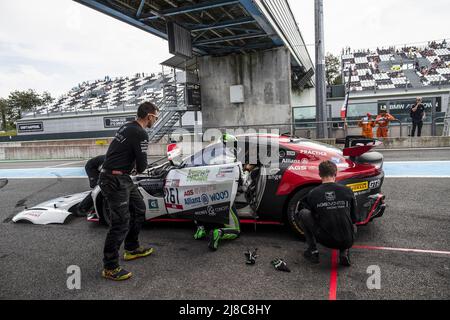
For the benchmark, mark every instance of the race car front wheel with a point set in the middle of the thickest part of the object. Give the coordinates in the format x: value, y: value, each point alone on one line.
x: 294, y: 206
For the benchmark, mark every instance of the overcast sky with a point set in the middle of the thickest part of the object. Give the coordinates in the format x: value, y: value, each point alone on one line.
x: 55, y: 44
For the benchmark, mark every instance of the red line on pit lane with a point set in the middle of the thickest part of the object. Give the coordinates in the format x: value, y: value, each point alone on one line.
x: 334, y: 263
x: 333, y: 275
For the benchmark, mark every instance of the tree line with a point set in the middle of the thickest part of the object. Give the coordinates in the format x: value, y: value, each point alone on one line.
x: 12, y: 107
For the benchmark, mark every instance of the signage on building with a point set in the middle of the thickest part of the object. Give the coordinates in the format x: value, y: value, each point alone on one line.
x: 117, y: 122
x: 401, y: 108
x: 30, y: 127
x: 405, y: 106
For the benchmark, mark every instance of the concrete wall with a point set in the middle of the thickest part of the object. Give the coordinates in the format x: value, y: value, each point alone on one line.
x: 65, y: 149
x: 266, y: 77
x: 306, y: 98
x: 74, y: 123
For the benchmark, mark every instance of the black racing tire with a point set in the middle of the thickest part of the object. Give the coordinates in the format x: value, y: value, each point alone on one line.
x: 293, y: 208
x: 104, y: 215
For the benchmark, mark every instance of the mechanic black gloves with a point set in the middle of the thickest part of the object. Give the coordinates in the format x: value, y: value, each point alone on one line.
x: 251, y: 256
x: 280, y: 265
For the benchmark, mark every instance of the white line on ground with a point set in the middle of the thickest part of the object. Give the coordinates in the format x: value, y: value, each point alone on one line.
x: 48, y: 177
x: 400, y: 249
x: 412, y: 149
x: 65, y: 164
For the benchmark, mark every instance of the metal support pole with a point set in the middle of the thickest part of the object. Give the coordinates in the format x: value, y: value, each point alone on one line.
x: 433, y: 117
x: 321, y: 113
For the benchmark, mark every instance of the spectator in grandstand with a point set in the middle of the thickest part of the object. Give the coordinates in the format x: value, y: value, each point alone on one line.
x: 416, y: 65
x: 382, y: 121
x: 367, y: 125
x: 417, y: 114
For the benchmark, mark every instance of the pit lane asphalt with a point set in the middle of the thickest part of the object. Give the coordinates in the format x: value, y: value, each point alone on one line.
x: 34, y: 259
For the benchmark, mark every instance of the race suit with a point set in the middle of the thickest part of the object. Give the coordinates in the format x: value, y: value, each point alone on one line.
x: 383, y: 124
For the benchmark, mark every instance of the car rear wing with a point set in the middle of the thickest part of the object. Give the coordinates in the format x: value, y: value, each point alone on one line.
x: 356, y: 146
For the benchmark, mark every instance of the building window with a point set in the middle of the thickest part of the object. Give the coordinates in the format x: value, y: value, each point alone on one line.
x: 358, y: 110
x: 304, y: 116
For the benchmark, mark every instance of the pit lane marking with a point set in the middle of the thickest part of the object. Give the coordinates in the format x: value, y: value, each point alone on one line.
x: 332, y: 293
x: 401, y: 249
x: 65, y: 164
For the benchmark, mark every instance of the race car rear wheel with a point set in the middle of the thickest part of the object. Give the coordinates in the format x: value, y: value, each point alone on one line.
x: 294, y: 206
x: 105, y: 216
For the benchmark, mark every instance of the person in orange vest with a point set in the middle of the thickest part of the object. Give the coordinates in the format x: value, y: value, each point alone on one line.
x: 382, y: 121
x: 367, y: 125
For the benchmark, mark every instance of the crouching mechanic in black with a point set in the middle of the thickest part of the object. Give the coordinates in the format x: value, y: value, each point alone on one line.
x: 329, y: 216
x: 126, y: 152
x: 93, y: 168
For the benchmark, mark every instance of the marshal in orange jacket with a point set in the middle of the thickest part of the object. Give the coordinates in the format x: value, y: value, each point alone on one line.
x: 367, y: 126
x: 382, y: 121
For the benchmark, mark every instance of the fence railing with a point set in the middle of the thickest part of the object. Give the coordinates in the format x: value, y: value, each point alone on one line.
x: 336, y: 128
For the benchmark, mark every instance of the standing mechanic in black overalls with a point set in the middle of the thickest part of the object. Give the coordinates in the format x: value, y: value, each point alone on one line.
x: 92, y: 167
x: 126, y: 152
x: 329, y: 216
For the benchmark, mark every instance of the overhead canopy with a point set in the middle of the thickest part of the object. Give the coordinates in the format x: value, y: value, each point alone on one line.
x: 181, y: 63
x: 217, y: 27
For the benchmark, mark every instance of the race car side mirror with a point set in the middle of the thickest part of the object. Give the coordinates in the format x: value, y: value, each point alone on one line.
x: 174, y: 154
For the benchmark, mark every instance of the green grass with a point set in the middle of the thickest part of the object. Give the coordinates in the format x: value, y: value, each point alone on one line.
x: 8, y: 133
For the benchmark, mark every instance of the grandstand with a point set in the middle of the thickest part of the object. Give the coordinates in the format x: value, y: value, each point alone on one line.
x: 407, y: 67
x: 106, y: 95
x: 98, y: 108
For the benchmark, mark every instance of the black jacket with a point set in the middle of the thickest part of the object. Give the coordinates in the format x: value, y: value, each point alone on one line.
x: 334, y: 210
x: 93, y: 168
x: 128, y: 150
x: 418, y: 115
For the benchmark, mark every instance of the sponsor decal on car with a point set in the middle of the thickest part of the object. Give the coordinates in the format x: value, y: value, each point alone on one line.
x: 223, y: 172
x: 218, y: 196
x: 360, y: 186
x: 192, y: 201
x: 291, y: 153
x: 189, y: 193
x: 314, y: 153
x: 293, y: 161
x: 153, y: 204
x: 375, y: 184
x: 204, y: 189
x: 35, y: 214
x: 211, y: 211
x: 205, y: 199
x: 198, y: 175
x: 173, y: 183
x: 174, y: 206
x: 298, y: 168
